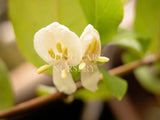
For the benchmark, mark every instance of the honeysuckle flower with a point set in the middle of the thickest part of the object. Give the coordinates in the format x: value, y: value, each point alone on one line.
x: 91, y: 50
x: 61, y: 48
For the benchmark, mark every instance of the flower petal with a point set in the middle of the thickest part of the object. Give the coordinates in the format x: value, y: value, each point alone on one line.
x: 66, y: 85
x: 47, y: 38
x: 90, y: 77
x: 74, y: 45
x: 88, y: 36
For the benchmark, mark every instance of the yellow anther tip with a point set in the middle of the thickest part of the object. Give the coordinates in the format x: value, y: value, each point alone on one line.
x: 51, y: 53
x: 59, y: 47
x: 82, y: 66
x: 93, y: 46
x: 102, y: 59
x: 42, y: 69
x: 63, y: 74
x: 64, y: 51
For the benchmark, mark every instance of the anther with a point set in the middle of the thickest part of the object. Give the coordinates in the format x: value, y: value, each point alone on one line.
x: 64, y: 52
x: 82, y: 66
x: 42, y: 69
x: 93, y: 46
x: 102, y: 59
x: 59, y: 47
x: 51, y: 53
x: 63, y: 74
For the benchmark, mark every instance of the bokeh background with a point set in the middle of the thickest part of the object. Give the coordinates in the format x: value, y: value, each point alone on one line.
x: 137, y: 104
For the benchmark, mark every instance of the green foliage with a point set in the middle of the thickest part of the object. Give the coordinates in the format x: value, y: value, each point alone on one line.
x: 102, y: 93
x: 110, y: 86
x: 6, y: 93
x: 104, y: 15
x: 124, y: 1
x: 135, y: 44
x: 128, y: 57
x: 28, y: 16
x: 147, y: 20
x: 45, y: 90
x: 147, y: 78
x: 75, y: 72
x: 115, y: 85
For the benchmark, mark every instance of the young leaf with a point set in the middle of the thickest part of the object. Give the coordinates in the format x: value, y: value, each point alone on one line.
x: 148, y: 81
x: 28, y: 16
x: 147, y: 21
x: 75, y: 72
x: 45, y: 90
x: 6, y: 93
x: 128, y: 57
x: 135, y: 44
x: 131, y: 41
x: 124, y: 1
x: 104, y: 15
x: 102, y: 93
x: 116, y: 85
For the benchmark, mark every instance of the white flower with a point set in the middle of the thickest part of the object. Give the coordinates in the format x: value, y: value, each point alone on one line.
x: 91, y: 50
x: 61, y: 48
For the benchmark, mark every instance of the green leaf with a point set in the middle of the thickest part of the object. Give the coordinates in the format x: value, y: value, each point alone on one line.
x: 110, y: 86
x: 136, y: 45
x: 102, y: 93
x: 116, y: 85
x: 149, y: 81
x: 128, y: 57
x: 124, y: 1
x: 6, y: 93
x: 28, y: 16
x: 157, y: 66
x: 43, y: 90
x: 75, y: 72
x: 131, y: 41
x: 147, y: 21
x: 104, y: 15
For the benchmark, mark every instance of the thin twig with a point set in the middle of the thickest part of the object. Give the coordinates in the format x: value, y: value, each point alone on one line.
x: 29, y: 105
x: 40, y: 101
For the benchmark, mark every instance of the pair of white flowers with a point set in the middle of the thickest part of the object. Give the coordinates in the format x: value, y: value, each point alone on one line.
x: 61, y: 48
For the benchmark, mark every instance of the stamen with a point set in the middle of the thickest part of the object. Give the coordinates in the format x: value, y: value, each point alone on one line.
x: 89, y: 57
x: 43, y: 69
x: 63, y: 74
x: 59, y: 47
x: 65, y: 51
x: 102, y: 59
x: 51, y: 53
x: 94, y: 46
x: 58, y: 57
x: 82, y: 66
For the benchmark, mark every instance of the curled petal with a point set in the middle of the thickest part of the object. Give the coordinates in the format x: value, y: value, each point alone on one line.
x: 88, y: 36
x: 47, y: 38
x: 65, y: 85
x: 90, y: 77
